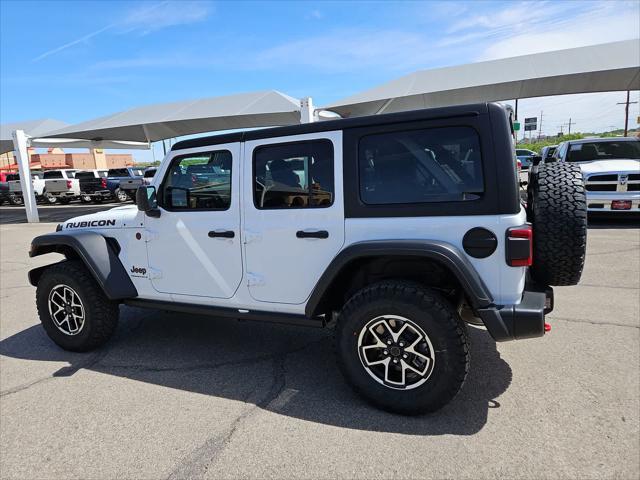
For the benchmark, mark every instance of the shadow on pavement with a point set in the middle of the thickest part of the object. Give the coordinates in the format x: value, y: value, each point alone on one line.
x: 613, y: 220
x: 283, y: 369
x: 53, y: 214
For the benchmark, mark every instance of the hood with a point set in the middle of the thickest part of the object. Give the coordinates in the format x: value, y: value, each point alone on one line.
x: 119, y: 217
x: 622, y: 166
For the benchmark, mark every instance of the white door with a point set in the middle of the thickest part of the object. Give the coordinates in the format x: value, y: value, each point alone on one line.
x: 194, y: 247
x: 293, y: 213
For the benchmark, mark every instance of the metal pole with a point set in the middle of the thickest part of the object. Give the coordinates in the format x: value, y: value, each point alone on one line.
x: 22, y: 155
x: 306, y: 110
x: 626, y: 116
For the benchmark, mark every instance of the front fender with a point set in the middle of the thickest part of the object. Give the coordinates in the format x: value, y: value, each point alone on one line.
x: 97, y: 255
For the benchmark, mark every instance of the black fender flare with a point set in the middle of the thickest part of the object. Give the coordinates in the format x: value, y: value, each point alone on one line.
x: 444, y: 253
x: 97, y: 255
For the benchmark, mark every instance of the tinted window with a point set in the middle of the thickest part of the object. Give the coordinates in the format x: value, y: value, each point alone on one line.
x: 52, y: 174
x: 103, y: 173
x: 431, y: 165
x: 150, y: 173
x: 294, y: 175
x: 84, y: 175
x: 136, y: 172
x: 201, y: 181
x: 118, y: 172
x: 587, y: 151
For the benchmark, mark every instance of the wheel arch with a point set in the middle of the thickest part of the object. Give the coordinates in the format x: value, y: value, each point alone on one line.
x: 348, y: 262
x: 95, y: 252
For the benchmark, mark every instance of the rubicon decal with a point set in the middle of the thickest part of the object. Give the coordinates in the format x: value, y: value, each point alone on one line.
x: 138, y: 271
x: 93, y: 223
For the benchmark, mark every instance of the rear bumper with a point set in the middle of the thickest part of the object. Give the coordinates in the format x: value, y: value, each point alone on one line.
x: 98, y: 193
x: 524, y: 320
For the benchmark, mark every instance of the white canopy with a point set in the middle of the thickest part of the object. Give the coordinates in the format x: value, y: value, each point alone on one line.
x: 34, y: 129
x: 30, y: 127
x: 157, y: 122
x: 599, y: 68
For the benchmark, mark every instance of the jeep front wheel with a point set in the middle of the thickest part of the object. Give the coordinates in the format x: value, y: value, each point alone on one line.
x: 402, y: 347
x: 73, y: 309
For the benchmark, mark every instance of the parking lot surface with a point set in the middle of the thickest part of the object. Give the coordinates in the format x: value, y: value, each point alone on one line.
x: 175, y: 396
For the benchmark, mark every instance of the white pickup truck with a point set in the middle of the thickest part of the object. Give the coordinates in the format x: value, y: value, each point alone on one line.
x: 14, y: 188
x: 60, y: 186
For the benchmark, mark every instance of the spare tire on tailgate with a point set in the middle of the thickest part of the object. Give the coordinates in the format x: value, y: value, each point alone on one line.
x: 557, y: 208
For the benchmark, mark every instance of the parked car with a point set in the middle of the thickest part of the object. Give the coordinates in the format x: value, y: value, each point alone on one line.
x: 93, y: 186
x: 386, y: 227
x: 611, y: 169
x: 524, y: 156
x: 123, y: 182
x: 60, y: 186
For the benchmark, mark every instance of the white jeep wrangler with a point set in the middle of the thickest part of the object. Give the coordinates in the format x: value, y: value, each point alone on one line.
x: 390, y: 228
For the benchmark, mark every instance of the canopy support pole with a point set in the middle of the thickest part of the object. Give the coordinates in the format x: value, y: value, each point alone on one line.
x: 22, y: 154
x: 307, y: 110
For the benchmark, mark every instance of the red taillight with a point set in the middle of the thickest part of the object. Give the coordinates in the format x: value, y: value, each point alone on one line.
x: 69, y: 184
x: 520, y: 246
x: 103, y: 182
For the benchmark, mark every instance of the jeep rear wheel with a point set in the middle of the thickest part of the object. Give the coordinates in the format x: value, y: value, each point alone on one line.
x: 402, y: 347
x: 557, y: 208
x: 73, y: 309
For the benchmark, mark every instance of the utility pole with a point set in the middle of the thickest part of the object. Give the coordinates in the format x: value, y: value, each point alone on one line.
x: 540, y: 126
x: 626, y: 113
x: 569, y: 132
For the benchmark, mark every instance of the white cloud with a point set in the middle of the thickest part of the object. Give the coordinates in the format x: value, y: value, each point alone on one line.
x: 144, y: 20
x: 314, y: 15
x: 165, y: 14
x: 350, y: 50
x: 587, y: 29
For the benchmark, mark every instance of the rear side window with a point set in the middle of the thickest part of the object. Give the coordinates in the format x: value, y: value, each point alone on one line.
x: 293, y: 175
x: 201, y: 181
x: 421, y: 166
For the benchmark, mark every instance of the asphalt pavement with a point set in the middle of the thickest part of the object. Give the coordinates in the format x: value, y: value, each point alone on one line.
x: 177, y: 396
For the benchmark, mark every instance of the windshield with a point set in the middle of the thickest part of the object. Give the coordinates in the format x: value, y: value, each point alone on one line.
x: 586, y: 152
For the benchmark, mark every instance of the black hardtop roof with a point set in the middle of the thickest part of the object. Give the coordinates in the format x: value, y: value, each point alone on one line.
x: 474, y: 109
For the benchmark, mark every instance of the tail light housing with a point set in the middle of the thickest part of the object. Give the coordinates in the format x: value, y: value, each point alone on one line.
x: 519, y: 246
x: 69, y: 184
x: 103, y: 182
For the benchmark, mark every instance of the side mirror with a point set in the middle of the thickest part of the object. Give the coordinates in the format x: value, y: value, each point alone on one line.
x: 146, y: 201
x: 536, y: 159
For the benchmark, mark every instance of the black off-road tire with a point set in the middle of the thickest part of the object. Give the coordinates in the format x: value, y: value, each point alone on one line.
x: 101, y: 314
x: 557, y: 208
x: 433, y: 314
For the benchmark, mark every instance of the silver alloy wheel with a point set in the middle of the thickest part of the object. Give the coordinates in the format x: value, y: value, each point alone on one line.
x: 66, y: 309
x: 396, y: 352
x: 122, y: 195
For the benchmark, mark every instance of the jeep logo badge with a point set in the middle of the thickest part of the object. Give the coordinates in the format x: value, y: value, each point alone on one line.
x: 138, y: 271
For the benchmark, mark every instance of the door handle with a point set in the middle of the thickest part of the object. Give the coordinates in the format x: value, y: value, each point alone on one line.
x: 314, y: 234
x: 222, y: 234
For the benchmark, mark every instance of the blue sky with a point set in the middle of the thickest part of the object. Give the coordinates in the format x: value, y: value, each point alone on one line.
x: 79, y: 60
